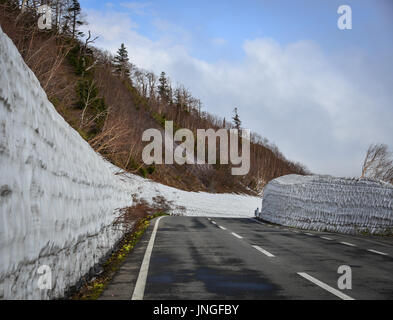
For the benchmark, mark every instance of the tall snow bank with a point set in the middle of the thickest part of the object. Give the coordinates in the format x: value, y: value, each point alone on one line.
x: 58, y: 198
x: 328, y: 203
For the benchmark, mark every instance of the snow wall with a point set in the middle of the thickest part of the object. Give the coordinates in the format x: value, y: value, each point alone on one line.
x: 325, y: 203
x: 58, y: 198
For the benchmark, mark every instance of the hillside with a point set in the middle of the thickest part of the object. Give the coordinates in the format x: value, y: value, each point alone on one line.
x: 112, y: 111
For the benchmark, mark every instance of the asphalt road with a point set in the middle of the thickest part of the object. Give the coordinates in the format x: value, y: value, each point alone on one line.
x: 217, y: 258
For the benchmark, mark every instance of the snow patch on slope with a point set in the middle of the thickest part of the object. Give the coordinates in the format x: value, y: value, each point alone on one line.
x: 194, y: 203
x: 327, y: 203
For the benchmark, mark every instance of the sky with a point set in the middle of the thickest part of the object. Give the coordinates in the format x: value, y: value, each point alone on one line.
x: 321, y: 94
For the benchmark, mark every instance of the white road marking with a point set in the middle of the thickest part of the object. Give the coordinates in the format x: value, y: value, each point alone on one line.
x: 140, y: 285
x: 263, y: 251
x: 214, y: 222
x: 309, y: 234
x: 221, y: 227
x: 209, y: 219
x: 348, y: 244
x: 327, y: 238
x: 237, y: 236
x: 325, y: 286
x: 377, y: 252
x: 295, y: 231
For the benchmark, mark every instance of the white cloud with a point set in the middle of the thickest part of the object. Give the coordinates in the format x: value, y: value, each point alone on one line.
x: 294, y: 95
x: 137, y: 7
x: 218, y: 42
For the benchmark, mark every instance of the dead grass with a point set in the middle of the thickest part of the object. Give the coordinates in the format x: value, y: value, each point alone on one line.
x: 136, y: 220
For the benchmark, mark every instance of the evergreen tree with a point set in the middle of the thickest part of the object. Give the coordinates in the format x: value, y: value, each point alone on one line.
x: 163, y: 88
x: 236, y: 119
x: 121, y: 62
x: 72, y: 19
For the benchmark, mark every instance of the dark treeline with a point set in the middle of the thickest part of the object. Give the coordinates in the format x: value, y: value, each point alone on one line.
x: 111, y: 102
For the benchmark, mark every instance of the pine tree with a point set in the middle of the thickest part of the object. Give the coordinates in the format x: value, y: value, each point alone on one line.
x: 72, y: 19
x: 163, y: 88
x: 121, y: 62
x: 236, y: 119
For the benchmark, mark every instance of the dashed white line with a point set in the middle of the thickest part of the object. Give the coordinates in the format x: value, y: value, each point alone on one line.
x: 377, y: 252
x: 325, y: 286
x: 309, y: 234
x: 327, y: 238
x: 221, y: 227
x: 263, y: 251
x: 348, y: 244
x: 214, y: 222
x: 140, y: 285
x: 237, y: 236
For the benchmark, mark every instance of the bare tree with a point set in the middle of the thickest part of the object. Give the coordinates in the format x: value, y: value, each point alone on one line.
x: 378, y: 163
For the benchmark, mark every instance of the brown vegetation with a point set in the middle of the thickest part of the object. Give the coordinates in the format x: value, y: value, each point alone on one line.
x: 378, y: 163
x: 112, y: 110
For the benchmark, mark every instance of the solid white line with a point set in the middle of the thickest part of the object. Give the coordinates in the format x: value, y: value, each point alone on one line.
x: 139, y: 289
x: 326, y: 238
x: 325, y: 286
x: 348, y: 244
x: 263, y: 251
x: 237, y: 236
x: 221, y: 227
x: 377, y: 252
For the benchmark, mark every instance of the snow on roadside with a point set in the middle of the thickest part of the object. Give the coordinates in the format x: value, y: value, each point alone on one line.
x: 320, y: 203
x: 58, y: 198
x: 200, y: 204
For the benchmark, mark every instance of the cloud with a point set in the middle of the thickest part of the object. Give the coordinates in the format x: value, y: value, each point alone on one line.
x: 218, y: 42
x: 318, y: 110
x: 137, y: 7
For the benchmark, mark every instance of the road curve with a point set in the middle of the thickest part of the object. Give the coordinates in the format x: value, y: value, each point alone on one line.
x: 216, y: 258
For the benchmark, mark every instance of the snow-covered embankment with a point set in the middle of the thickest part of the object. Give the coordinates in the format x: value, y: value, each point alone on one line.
x: 58, y: 198
x: 328, y: 203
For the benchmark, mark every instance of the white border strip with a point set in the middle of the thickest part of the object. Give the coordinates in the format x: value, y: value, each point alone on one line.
x: 140, y: 285
x: 325, y: 286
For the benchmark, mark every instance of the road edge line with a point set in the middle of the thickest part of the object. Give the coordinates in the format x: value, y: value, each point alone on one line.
x: 140, y: 285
